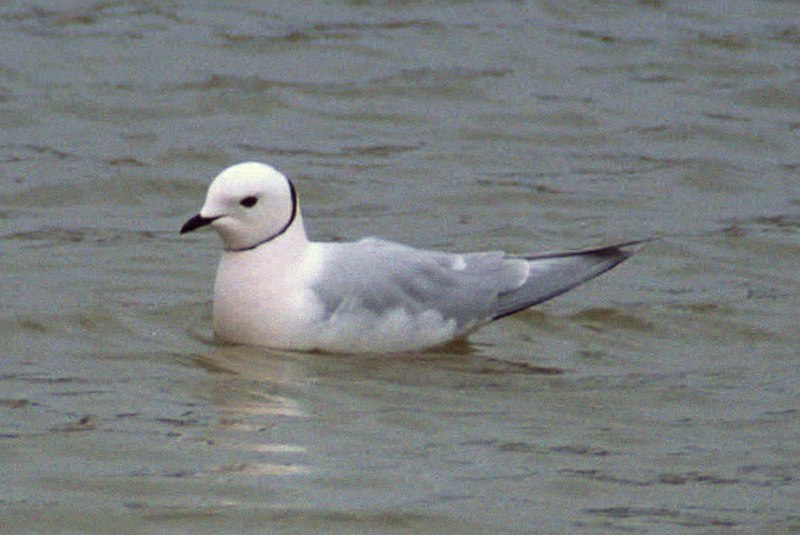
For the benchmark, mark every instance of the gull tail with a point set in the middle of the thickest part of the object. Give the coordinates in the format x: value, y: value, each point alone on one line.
x: 552, y: 274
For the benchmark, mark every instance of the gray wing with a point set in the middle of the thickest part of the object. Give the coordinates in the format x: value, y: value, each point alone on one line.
x: 381, y: 276
x: 470, y: 288
x: 552, y: 274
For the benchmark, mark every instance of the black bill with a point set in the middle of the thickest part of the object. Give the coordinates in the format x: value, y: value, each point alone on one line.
x: 196, y: 222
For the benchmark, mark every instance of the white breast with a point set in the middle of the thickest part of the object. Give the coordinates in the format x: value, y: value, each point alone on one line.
x: 264, y: 299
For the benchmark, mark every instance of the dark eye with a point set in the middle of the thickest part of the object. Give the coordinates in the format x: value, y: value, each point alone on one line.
x: 249, y: 202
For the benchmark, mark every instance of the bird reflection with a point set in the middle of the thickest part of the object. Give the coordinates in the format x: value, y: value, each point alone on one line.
x: 251, y: 391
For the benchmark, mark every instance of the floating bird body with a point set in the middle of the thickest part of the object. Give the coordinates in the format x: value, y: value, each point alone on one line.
x: 275, y: 288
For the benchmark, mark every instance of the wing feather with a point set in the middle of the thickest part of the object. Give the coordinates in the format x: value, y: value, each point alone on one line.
x: 552, y: 274
x: 380, y: 277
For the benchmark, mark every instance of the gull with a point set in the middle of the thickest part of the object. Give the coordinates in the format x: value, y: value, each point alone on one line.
x: 276, y: 288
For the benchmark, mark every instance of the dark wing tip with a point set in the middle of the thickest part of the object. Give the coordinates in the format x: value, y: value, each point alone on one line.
x: 547, y: 286
x: 624, y: 249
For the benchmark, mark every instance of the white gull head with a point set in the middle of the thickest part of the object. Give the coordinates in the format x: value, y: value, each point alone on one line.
x: 248, y: 204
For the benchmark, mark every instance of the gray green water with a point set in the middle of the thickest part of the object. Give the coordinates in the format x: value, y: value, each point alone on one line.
x: 663, y: 397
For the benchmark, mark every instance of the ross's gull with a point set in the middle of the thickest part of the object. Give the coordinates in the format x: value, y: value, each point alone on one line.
x: 276, y: 288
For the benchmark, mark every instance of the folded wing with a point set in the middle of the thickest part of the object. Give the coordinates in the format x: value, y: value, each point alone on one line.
x: 379, y: 277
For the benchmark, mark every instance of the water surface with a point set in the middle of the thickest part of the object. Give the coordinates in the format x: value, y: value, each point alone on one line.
x: 661, y: 397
